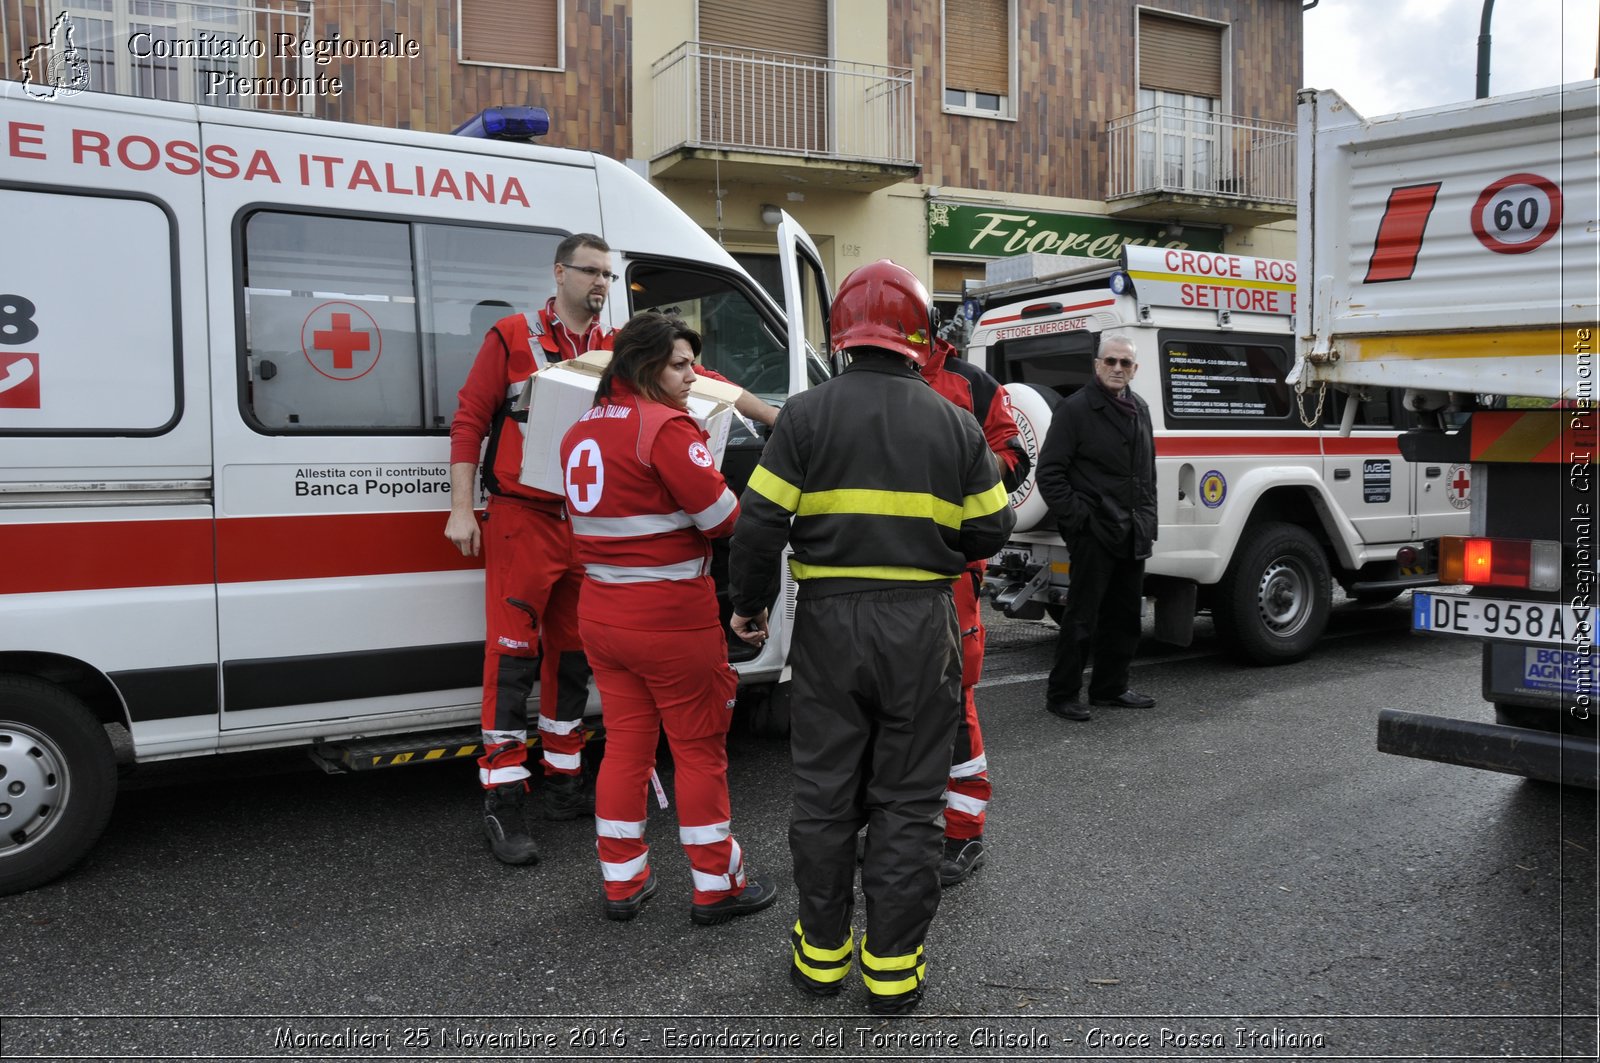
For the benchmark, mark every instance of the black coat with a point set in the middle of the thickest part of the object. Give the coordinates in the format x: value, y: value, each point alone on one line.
x: 1097, y: 472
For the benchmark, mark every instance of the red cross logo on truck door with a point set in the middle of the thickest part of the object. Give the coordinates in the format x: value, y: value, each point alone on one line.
x: 341, y: 341
x: 585, y: 476
x: 1458, y: 486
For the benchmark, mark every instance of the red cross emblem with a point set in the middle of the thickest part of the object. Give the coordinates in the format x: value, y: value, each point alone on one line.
x: 1459, y: 487
x: 585, y: 471
x: 339, y: 332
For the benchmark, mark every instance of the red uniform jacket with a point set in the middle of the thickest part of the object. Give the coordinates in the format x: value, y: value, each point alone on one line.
x: 976, y: 391
x: 504, y: 363
x: 645, y: 500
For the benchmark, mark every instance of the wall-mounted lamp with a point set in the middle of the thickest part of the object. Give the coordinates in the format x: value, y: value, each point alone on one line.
x: 770, y: 215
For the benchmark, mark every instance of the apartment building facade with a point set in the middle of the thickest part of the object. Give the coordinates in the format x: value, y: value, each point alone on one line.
x: 941, y: 133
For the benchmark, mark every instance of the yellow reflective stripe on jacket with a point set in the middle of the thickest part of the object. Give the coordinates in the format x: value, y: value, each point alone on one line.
x: 800, y: 570
x: 991, y: 501
x: 866, y: 503
x: 775, y: 489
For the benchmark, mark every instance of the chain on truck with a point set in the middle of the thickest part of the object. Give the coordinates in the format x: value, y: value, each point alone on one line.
x: 226, y: 428
x: 1263, y: 502
x: 1451, y: 253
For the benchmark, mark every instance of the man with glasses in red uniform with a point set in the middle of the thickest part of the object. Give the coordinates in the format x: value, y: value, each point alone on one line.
x: 531, y: 574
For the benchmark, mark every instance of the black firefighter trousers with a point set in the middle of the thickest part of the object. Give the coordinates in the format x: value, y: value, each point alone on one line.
x: 877, y: 696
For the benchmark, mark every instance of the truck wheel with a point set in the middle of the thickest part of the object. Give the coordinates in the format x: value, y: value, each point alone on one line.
x: 58, y: 781
x: 1057, y: 612
x: 1272, y: 605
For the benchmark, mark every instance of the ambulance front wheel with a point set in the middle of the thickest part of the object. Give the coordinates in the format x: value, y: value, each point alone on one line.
x: 1273, y: 603
x: 58, y: 780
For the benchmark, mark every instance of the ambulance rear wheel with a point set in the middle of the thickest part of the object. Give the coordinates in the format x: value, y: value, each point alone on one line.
x: 58, y: 781
x: 1272, y: 605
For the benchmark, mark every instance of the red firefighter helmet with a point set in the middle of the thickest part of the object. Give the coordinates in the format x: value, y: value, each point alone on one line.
x: 883, y: 305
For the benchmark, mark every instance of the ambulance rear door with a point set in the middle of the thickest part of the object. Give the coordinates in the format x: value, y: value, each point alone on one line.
x: 105, y: 514
x: 353, y: 277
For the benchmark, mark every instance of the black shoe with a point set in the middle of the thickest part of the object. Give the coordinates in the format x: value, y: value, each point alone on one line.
x: 758, y: 893
x: 504, y: 827
x: 628, y: 907
x: 962, y: 856
x: 900, y: 1004
x: 1128, y: 699
x: 1069, y: 710
x: 810, y: 986
x: 565, y: 797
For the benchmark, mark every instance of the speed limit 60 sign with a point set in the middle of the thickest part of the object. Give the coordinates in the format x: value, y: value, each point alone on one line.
x: 1517, y: 213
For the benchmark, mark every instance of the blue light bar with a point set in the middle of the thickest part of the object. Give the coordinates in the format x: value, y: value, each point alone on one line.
x: 506, y: 123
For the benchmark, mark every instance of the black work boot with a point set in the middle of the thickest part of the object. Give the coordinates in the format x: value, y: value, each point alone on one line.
x: 962, y: 856
x: 565, y: 797
x: 504, y: 827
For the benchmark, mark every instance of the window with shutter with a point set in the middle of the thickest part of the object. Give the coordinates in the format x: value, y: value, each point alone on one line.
x: 979, y: 60
x: 1180, y: 101
x: 521, y: 33
x: 765, y: 74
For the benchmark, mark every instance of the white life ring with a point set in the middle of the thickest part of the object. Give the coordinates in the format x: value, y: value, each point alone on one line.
x: 1030, y: 407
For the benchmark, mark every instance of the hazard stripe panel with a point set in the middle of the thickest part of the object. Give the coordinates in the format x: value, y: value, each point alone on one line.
x: 1534, y: 436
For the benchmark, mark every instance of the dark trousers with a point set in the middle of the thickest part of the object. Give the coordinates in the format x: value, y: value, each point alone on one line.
x: 877, y: 691
x: 1103, y: 605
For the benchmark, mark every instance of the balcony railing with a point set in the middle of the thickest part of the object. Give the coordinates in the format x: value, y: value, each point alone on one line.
x: 739, y: 99
x: 179, y: 49
x: 1175, y: 150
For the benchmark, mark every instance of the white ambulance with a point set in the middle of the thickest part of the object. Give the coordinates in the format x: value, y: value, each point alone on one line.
x: 230, y: 344
x: 1262, y: 502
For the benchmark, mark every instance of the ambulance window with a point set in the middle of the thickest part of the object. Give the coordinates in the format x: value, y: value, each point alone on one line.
x: 1064, y: 361
x: 65, y: 291
x: 1239, y: 383
x: 740, y: 341
x: 370, y: 325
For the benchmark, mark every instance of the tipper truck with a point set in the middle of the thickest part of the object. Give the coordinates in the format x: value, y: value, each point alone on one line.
x: 1454, y: 253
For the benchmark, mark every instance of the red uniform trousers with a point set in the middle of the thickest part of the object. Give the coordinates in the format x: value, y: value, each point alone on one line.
x: 680, y: 681
x: 967, y: 793
x: 531, y: 598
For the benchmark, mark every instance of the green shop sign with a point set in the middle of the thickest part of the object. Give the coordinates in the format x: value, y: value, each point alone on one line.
x: 963, y: 229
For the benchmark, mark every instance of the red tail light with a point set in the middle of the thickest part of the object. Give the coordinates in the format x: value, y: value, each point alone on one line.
x: 1534, y: 564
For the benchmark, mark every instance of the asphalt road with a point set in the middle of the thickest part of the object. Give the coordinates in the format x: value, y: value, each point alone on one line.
x: 1236, y: 873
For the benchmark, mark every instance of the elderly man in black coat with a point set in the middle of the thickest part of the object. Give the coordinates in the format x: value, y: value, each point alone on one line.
x: 1097, y: 471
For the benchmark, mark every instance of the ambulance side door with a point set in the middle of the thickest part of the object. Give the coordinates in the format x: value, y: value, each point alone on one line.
x: 349, y: 299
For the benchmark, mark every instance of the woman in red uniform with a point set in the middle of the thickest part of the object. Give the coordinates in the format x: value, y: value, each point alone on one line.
x: 645, y: 499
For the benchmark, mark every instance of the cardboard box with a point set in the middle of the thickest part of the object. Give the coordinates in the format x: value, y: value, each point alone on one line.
x: 556, y: 397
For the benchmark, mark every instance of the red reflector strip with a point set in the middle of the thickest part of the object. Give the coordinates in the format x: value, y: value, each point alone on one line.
x: 1065, y: 310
